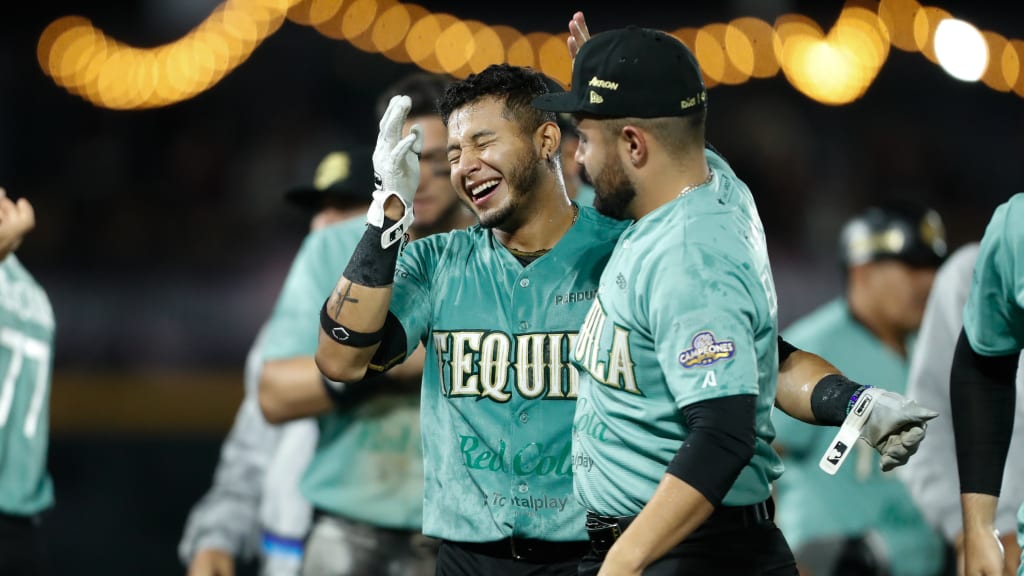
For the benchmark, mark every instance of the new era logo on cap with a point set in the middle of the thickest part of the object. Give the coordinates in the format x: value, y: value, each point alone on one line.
x: 631, y: 72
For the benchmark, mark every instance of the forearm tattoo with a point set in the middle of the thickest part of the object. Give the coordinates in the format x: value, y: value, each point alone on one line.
x: 341, y: 296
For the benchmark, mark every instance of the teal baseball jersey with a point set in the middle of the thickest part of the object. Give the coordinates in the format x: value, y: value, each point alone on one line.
x: 498, y: 389
x: 994, y: 313
x: 860, y: 497
x: 686, y: 311
x: 26, y: 361
x: 368, y: 463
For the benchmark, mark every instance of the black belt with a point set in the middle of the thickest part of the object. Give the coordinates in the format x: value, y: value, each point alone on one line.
x: 605, y: 530
x: 528, y: 550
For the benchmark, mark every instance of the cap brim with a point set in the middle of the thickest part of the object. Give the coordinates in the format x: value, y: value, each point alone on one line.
x: 305, y: 197
x: 560, y: 102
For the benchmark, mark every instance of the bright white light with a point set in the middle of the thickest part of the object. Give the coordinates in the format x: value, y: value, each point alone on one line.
x: 961, y: 50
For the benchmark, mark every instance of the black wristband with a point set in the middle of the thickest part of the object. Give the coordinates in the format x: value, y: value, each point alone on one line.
x: 346, y: 336
x: 830, y: 399
x: 370, y: 264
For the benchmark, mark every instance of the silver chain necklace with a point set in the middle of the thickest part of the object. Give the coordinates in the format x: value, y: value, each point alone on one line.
x: 691, y: 187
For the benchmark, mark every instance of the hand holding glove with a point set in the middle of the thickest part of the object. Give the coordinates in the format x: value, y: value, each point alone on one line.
x: 396, y: 168
x: 895, y: 427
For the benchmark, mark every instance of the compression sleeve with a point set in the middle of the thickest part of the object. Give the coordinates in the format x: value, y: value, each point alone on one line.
x: 982, y: 394
x: 719, y: 445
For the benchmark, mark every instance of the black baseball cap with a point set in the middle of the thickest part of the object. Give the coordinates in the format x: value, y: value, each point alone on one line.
x: 631, y: 72
x: 909, y: 233
x: 343, y: 178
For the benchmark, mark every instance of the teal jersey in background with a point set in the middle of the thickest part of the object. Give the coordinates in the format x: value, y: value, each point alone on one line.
x: 860, y: 497
x: 498, y: 390
x: 994, y: 313
x: 368, y: 463
x: 686, y: 311
x: 585, y: 195
x: 26, y: 363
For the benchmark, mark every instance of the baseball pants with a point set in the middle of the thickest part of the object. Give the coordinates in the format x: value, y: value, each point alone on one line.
x: 341, y: 547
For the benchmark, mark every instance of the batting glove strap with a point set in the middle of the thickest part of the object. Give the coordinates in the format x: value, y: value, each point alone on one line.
x: 392, y: 232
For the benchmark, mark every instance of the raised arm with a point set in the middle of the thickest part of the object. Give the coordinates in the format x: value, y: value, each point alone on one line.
x: 354, y: 320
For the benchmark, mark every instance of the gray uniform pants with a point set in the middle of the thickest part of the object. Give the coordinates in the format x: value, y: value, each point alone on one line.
x: 340, y: 547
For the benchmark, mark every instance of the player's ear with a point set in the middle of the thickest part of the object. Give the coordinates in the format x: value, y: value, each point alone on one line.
x: 548, y: 138
x: 634, y: 144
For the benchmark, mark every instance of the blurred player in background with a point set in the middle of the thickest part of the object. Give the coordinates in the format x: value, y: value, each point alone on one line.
x: 929, y: 479
x: 254, y: 508
x: 26, y: 362
x: 982, y: 388
x: 365, y: 480
x: 862, y: 521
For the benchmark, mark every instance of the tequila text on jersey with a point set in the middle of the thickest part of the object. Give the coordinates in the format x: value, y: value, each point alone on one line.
x: 484, y: 364
x: 612, y: 367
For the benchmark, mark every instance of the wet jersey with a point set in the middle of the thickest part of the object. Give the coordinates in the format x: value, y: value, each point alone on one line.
x: 994, y: 314
x: 686, y: 312
x: 498, y: 390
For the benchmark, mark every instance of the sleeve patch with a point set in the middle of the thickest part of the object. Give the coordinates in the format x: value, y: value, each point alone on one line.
x: 705, y: 350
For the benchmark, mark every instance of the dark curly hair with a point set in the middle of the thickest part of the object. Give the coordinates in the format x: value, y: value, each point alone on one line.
x: 516, y: 86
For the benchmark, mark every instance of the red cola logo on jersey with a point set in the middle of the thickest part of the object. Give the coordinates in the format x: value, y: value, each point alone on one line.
x: 705, y: 350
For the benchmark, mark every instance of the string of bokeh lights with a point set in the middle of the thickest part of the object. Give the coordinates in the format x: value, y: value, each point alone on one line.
x: 834, y: 67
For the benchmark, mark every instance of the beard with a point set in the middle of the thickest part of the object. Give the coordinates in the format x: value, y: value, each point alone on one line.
x: 613, y: 192
x: 521, y: 182
x: 444, y: 221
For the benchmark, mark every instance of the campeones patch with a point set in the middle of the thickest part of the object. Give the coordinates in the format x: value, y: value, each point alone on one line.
x: 705, y: 350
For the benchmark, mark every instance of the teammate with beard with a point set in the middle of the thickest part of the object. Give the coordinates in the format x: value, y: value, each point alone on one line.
x: 497, y: 306
x: 680, y: 350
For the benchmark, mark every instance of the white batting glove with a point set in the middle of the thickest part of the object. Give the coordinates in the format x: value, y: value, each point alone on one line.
x: 396, y: 168
x: 895, y: 427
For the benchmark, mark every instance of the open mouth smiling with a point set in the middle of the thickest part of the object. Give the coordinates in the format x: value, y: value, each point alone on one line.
x: 483, y: 190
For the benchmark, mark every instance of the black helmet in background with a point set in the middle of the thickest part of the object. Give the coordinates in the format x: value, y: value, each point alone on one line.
x: 910, y: 233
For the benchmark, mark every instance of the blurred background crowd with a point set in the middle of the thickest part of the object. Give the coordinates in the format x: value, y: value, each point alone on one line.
x: 162, y: 238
